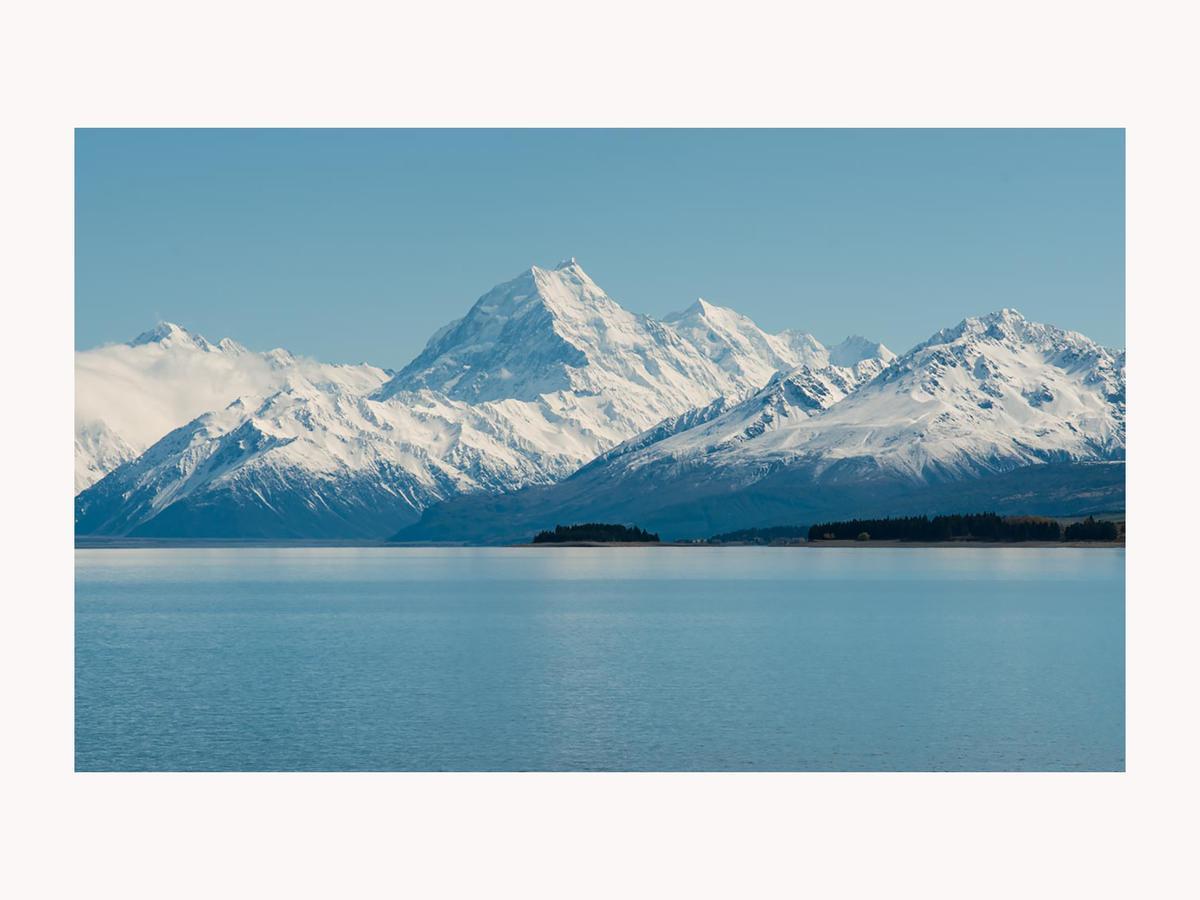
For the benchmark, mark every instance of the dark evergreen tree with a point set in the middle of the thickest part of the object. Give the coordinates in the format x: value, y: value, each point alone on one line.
x: 976, y: 526
x: 1091, y: 530
x: 596, y: 531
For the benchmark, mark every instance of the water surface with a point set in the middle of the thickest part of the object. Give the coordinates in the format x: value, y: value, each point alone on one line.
x: 557, y: 658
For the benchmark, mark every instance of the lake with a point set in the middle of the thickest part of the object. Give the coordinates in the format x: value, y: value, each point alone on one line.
x: 554, y: 658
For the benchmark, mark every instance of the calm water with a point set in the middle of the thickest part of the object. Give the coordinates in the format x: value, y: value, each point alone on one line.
x: 625, y: 659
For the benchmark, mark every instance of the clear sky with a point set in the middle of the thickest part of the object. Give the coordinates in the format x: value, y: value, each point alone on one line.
x: 356, y: 245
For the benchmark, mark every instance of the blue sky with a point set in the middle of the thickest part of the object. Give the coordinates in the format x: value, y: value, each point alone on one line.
x: 357, y: 245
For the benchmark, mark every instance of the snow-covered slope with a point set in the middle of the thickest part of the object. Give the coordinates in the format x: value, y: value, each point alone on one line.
x: 738, y: 346
x: 554, y: 336
x: 318, y: 461
x: 127, y: 396
x: 990, y: 394
x: 544, y: 373
x: 98, y: 450
x: 937, y: 428
x: 788, y: 396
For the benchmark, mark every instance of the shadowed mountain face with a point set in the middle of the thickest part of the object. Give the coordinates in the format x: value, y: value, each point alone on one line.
x: 695, y: 505
x: 548, y: 403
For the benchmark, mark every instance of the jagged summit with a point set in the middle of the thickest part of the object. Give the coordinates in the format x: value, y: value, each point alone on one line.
x: 168, y: 332
x: 1006, y: 317
x: 549, y: 331
x: 1003, y: 324
x: 701, y: 307
x: 231, y: 346
x: 857, y: 348
x: 736, y: 343
x: 513, y: 341
x: 702, y: 317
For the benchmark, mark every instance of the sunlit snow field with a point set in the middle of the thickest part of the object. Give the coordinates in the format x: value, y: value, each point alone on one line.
x: 600, y: 659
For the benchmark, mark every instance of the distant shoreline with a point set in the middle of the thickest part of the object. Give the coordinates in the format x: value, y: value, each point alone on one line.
x: 817, y: 545
x: 265, y: 543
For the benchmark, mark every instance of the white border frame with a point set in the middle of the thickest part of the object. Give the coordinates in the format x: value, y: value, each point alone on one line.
x: 621, y: 63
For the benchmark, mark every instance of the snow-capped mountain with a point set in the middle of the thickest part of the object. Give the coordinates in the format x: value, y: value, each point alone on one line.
x: 554, y: 337
x: 127, y: 396
x: 544, y: 373
x: 736, y: 345
x: 98, y: 450
x: 548, y: 402
x: 990, y: 394
x: 945, y: 422
x: 798, y: 393
x: 318, y: 461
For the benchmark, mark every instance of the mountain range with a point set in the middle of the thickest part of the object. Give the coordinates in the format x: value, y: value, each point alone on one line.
x: 548, y: 403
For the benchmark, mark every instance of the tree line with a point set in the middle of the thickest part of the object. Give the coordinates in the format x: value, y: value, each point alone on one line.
x: 975, y: 526
x: 596, y: 531
x: 761, y: 535
x: 1091, y: 530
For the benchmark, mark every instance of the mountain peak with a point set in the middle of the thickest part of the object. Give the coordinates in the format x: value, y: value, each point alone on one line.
x: 229, y: 345
x: 703, y: 309
x: 856, y: 349
x: 566, y: 276
x: 1005, y: 324
x: 1004, y: 318
x: 168, y: 333
x: 563, y: 268
x: 523, y: 338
